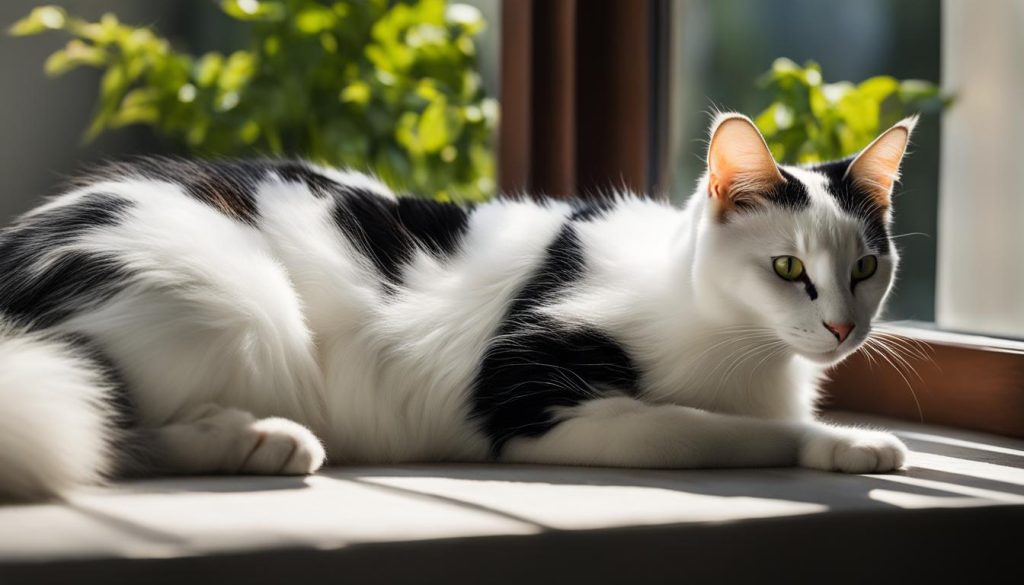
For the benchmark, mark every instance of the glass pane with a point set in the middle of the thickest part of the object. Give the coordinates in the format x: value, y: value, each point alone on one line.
x: 981, y: 268
x: 726, y: 45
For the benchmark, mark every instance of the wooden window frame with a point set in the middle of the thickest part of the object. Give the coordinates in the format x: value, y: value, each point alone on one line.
x: 955, y: 379
x: 581, y: 90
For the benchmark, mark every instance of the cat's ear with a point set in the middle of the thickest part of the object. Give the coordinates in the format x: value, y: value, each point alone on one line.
x: 741, y: 169
x: 877, y: 168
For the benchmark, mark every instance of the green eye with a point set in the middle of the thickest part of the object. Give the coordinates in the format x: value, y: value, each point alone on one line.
x: 788, y: 267
x: 865, y: 267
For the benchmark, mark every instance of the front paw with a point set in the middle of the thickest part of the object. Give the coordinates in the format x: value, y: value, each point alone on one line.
x: 852, y: 451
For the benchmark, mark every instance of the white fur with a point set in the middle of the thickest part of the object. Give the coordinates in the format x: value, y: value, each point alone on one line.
x: 242, y: 345
x: 213, y: 317
x: 213, y: 439
x: 54, y: 431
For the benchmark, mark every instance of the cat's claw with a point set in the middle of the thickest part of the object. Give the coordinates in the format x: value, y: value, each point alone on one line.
x: 282, y: 447
x: 853, y: 451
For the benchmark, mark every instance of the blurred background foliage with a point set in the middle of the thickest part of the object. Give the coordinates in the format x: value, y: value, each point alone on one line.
x: 811, y: 121
x: 389, y: 87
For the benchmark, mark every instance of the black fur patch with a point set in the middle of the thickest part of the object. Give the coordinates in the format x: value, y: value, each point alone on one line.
x: 591, y: 209
x: 437, y: 227
x: 809, y: 288
x: 130, y: 445
x: 535, y: 364
x: 35, y: 296
x: 388, y: 231
x: 228, y: 186
x: 858, y: 203
x: 792, y: 194
x: 122, y: 407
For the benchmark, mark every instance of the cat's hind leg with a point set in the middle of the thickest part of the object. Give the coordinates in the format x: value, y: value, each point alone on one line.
x: 214, y: 439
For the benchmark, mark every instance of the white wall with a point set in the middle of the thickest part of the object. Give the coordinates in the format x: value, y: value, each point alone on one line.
x: 981, y: 213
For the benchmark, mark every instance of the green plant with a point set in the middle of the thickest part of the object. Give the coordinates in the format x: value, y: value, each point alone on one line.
x: 381, y: 85
x: 810, y: 120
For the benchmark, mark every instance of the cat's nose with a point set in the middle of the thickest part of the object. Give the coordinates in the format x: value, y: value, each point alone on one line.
x: 840, y: 330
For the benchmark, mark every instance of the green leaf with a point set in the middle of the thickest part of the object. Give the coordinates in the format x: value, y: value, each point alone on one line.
x: 783, y: 67
x: 207, y: 69
x: 40, y: 20
x: 765, y: 121
x: 329, y: 42
x: 139, y: 106
x: 878, y: 88
x: 237, y: 70
x: 75, y: 54
x: 357, y: 92
x: 468, y: 17
x: 272, y: 45
x: 102, y: 33
x: 314, y: 20
x: 113, y: 83
x: 914, y: 89
x: 258, y: 10
x: 405, y: 132
x: 422, y: 35
x: 433, y: 128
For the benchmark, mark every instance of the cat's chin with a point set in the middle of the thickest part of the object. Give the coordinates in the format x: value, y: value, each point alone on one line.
x: 827, y: 358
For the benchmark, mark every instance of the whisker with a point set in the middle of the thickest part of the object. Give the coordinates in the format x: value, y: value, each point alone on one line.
x: 875, y: 346
x: 922, y: 349
x: 894, y: 352
x: 911, y: 234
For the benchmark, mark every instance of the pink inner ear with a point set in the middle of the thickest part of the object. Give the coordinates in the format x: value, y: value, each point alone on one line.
x: 739, y: 162
x: 877, y: 168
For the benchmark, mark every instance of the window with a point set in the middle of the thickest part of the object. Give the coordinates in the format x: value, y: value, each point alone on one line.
x: 981, y: 268
x: 724, y: 46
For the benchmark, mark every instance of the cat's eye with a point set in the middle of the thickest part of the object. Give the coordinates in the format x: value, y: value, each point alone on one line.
x: 788, y: 267
x: 864, y: 268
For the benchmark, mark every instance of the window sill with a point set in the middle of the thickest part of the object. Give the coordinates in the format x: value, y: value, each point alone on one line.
x: 954, y: 513
x: 954, y: 379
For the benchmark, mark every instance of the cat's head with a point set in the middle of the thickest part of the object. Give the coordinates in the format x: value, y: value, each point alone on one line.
x: 805, y: 252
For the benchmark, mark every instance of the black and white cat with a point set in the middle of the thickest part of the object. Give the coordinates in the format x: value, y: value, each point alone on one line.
x: 267, y: 316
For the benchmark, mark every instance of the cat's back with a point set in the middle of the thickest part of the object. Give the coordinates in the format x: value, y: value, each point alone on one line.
x: 171, y: 222
x: 329, y: 228
x: 166, y: 198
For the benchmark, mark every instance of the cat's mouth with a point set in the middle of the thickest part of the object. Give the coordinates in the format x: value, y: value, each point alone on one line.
x: 821, y: 352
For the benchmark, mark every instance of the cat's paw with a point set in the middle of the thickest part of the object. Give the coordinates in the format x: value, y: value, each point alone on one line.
x: 282, y: 447
x: 853, y: 451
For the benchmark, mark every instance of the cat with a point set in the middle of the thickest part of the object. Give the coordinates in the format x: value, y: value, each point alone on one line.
x: 264, y: 317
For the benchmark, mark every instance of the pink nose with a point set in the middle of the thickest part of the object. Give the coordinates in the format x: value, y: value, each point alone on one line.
x: 840, y: 330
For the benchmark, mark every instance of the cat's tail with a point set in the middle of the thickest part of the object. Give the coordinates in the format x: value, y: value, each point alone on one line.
x: 56, y: 420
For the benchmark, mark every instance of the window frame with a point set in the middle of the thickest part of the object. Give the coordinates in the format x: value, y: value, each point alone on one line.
x: 956, y: 379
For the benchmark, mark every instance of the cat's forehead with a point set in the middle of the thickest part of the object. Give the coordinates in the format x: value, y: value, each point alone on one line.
x: 805, y: 218
x: 816, y: 187
x: 809, y: 230
x: 832, y: 213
